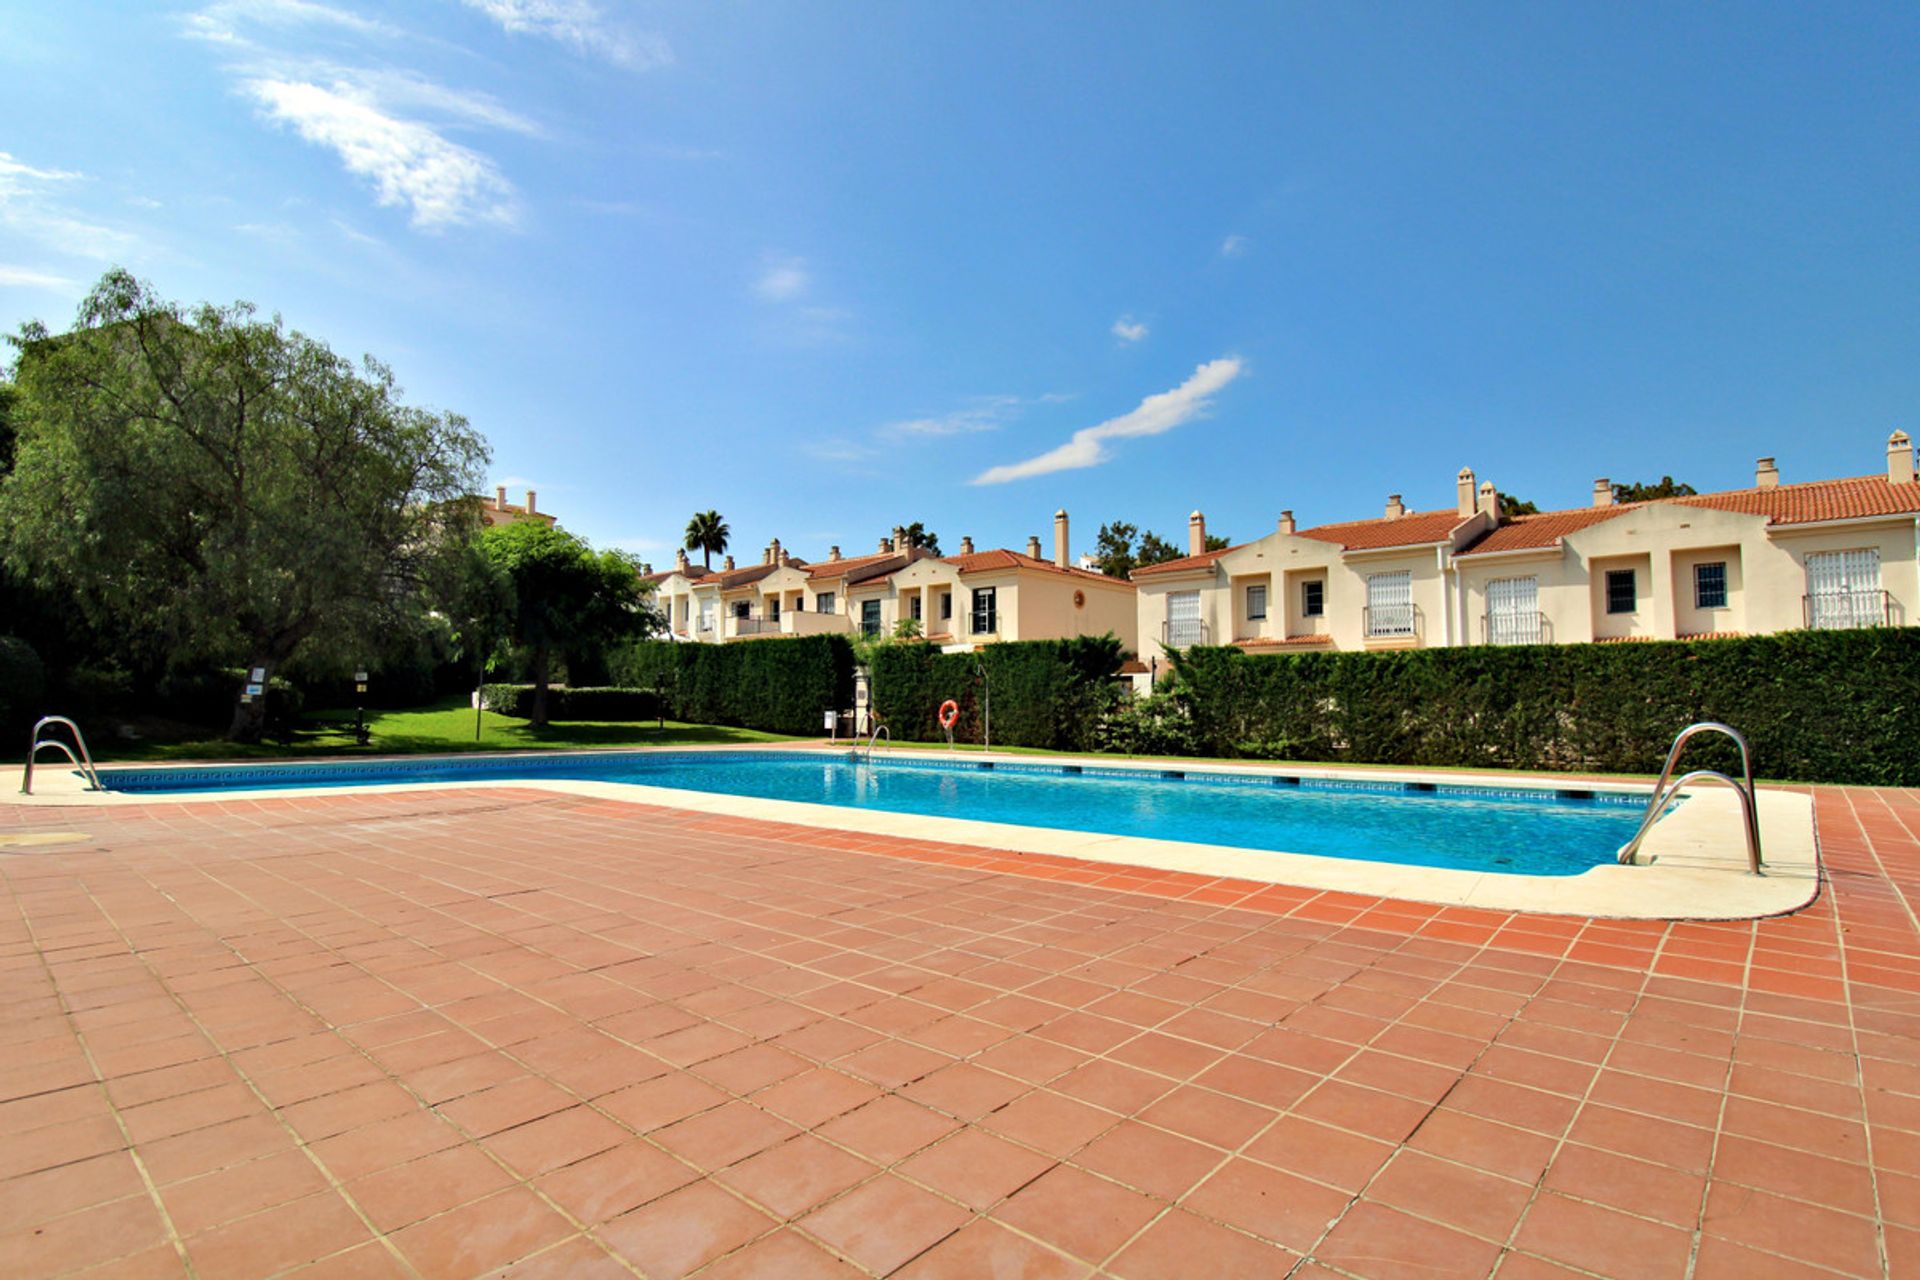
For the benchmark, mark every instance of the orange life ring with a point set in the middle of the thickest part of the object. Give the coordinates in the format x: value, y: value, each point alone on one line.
x: 949, y: 712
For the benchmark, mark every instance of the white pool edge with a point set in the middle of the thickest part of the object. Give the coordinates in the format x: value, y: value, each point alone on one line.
x: 1696, y: 856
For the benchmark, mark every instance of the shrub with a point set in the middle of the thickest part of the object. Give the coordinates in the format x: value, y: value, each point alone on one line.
x: 1817, y: 706
x: 777, y: 685
x: 23, y: 682
x: 1044, y: 693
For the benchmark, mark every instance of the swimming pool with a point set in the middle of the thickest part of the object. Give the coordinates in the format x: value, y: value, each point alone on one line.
x: 1540, y: 832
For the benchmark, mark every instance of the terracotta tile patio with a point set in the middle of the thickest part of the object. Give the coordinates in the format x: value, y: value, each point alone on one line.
x: 510, y: 1032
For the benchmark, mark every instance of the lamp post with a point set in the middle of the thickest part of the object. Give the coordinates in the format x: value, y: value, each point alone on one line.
x: 360, y: 733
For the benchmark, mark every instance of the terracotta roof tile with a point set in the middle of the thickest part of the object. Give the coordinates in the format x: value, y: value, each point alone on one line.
x: 1200, y: 561
x: 1001, y: 558
x: 1545, y: 529
x: 1414, y: 529
x: 1289, y: 642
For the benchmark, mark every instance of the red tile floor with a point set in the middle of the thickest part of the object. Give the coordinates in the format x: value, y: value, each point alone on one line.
x: 509, y: 1032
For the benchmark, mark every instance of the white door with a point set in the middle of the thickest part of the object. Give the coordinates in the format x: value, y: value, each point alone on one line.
x: 1513, y: 611
x: 1843, y: 589
x: 1183, y: 620
x: 1390, y: 604
x: 706, y: 615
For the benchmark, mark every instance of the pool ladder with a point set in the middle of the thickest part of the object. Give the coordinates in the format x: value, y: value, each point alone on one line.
x: 1663, y: 794
x: 872, y: 738
x: 38, y: 743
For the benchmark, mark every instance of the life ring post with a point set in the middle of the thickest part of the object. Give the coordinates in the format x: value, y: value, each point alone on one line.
x: 949, y: 716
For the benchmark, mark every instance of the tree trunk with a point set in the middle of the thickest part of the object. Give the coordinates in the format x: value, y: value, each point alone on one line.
x: 542, y: 664
x: 250, y: 713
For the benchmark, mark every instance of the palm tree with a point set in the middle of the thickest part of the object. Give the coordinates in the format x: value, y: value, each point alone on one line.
x: 707, y: 533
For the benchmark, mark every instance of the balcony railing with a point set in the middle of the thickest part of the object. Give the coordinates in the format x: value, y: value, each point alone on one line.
x: 1391, y: 621
x: 1845, y: 610
x: 756, y: 626
x: 1514, y: 628
x: 1182, y: 633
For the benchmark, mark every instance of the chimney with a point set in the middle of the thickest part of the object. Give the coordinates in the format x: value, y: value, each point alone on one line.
x: 1060, y: 556
x: 1490, y: 501
x: 1286, y: 522
x: 766, y: 554
x: 531, y: 509
x: 1603, y: 492
x: 500, y: 497
x: 899, y: 537
x: 833, y: 552
x: 966, y: 544
x: 886, y: 544
x: 1899, y: 458
x: 1464, y: 483
x: 1196, y: 534
x: 1395, y: 507
x: 680, y: 560
x: 779, y: 556
x: 785, y: 556
x: 1033, y: 546
x: 646, y: 568
x: 727, y: 564
x: 1765, y: 474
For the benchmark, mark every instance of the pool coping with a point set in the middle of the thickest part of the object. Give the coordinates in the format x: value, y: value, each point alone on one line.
x: 1693, y: 861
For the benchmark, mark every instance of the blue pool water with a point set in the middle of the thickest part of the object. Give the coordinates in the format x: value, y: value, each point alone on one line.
x: 1475, y: 828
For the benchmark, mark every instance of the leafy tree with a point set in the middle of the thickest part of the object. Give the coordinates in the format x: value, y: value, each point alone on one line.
x: 1216, y: 542
x: 918, y: 535
x: 1512, y: 506
x: 1665, y: 487
x: 566, y: 597
x: 9, y: 396
x: 1117, y: 555
x: 707, y: 533
x: 223, y: 489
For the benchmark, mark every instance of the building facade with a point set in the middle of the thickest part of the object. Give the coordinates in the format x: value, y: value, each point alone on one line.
x: 959, y: 602
x: 1772, y: 557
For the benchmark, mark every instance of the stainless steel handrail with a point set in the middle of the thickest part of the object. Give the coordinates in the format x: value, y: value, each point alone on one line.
x: 1663, y: 793
x: 84, y: 760
x: 872, y: 738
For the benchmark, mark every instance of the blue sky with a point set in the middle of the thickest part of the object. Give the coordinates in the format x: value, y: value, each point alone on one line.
x: 833, y: 267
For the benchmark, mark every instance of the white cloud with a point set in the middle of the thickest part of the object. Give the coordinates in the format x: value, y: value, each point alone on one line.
x: 983, y: 413
x: 221, y: 21
x: 1234, y: 246
x: 13, y: 277
x: 29, y: 208
x: 582, y: 25
x: 1153, y: 416
x: 409, y: 163
x: 782, y: 279
x: 1129, y: 330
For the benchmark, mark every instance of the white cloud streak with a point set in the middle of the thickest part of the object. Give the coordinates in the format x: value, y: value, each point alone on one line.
x: 410, y: 164
x: 582, y: 26
x: 30, y: 209
x: 782, y: 279
x: 1234, y: 246
x: 1129, y: 330
x: 13, y: 277
x: 1153, y: 416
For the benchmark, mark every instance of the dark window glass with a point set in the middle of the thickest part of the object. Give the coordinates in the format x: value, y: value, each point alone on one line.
x: 870, y: 617
x: 1313, y: 599
x: 1256, y: 603
x: 986, y: 620
x: 1710, y: 585
x: 824, y: 602
x: 1620, y: 591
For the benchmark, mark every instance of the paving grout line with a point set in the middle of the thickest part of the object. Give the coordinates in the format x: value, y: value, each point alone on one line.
x: 100, y: 1081
x: 1860, y: 1074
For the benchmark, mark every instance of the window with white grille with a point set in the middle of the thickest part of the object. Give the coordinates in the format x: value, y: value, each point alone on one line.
x: 1843, y: 589
x: 1390, y: 604
x: 1513, y: 611
x: 1256, y: 603
x: 1183, y: 620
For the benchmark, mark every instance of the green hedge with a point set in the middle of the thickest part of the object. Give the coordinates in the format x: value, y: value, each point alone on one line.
x: 776, y: 685
x: 1817, y: 706
x: 575, y: 704
x: 1045, y: 693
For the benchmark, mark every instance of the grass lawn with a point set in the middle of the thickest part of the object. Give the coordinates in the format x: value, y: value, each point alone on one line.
x: 441, y: 729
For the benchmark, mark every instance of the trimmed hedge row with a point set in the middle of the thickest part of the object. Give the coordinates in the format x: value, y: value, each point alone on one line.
x: 23, y: 683
x: 575, y: 704
x: 1817, y: 706
x: 778, y: 686
x: 1045, y: 693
